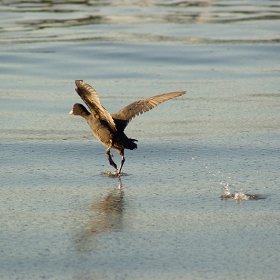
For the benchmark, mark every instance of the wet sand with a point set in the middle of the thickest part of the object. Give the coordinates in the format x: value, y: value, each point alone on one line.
x: 61, y: 218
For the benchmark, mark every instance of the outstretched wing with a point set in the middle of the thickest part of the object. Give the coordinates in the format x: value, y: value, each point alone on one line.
x: 125, y: 115
x: 90, y: 97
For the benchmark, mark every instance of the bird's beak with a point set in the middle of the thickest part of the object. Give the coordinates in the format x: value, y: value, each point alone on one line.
x: 71, y: 112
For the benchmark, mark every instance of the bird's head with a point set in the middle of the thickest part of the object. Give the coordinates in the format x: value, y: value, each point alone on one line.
x: 79, y: 110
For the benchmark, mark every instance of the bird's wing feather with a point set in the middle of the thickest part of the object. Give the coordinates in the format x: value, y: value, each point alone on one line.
x: 136, y: 108
x: 90, y: 97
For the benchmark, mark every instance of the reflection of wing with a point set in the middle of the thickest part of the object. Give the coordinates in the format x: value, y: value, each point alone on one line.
x: 90, y: 97
x: 125, y: 115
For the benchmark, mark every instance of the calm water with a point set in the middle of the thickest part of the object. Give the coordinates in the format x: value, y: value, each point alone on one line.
x: 62, y: 219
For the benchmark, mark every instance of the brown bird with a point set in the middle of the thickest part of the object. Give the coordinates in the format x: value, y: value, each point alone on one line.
x: 109, y: 129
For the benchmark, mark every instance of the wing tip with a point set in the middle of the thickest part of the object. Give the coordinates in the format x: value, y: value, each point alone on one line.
x: 79, y: 82
x: 180, y: 93
x: 80, y: 85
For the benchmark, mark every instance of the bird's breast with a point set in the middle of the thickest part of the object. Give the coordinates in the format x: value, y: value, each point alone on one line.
x: 100, y: 130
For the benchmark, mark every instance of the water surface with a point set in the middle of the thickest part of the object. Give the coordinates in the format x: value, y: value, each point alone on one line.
x: 62, y: 219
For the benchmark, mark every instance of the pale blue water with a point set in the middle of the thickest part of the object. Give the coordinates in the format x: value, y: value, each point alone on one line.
x: 62, y: 219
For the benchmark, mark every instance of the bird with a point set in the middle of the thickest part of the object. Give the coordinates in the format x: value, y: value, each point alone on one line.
x: 109, y: 128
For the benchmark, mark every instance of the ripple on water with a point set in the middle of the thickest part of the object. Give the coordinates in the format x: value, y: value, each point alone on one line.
x: 42, y: 21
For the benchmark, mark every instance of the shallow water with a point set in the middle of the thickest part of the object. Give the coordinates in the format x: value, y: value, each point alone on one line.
x: 61, y: 218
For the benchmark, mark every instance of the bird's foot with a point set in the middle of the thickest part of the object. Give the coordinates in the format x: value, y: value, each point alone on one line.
x: 111, y: 173
x: 114, y: 174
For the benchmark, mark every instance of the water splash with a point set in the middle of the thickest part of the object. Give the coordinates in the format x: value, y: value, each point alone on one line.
x: 239, y: 196
x: 227, y: 193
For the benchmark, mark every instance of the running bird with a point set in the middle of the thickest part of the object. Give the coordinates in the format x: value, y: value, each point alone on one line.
x: 109, y: 129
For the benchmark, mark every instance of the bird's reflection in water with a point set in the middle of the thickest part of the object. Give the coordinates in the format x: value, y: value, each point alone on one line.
x: 105, y: 215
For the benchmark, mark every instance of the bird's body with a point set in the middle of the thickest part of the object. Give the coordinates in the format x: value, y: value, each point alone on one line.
x: 107, y: 136
x: 109, y: 129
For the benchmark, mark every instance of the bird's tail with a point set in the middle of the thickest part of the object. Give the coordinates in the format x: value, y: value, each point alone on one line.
x: 130, y: 144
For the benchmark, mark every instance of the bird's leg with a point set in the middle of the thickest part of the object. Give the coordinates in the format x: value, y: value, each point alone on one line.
x: 121, y: 152
x: 109, y: 156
